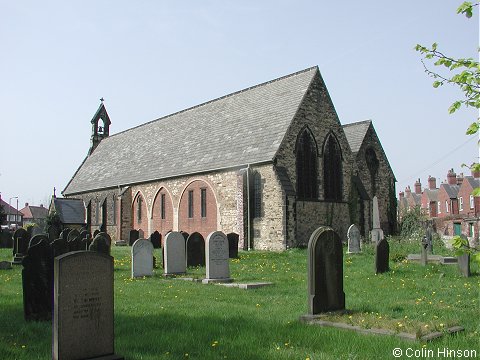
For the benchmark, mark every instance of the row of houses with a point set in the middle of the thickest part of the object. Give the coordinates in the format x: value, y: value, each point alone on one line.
x: 452, y: 205
x: 29, y: 214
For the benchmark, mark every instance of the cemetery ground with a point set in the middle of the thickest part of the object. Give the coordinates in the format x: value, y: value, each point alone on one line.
x: 165, y: 318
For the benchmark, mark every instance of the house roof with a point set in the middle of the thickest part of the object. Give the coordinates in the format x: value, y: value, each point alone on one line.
x: 71, y: 211
x: 474, y: 183
x: 451, y: 190
x: 34, y: 212
x: 432, y: 194
x: 355, y: 133
x: 12, y: 210
x: 417, y: 198
x: 245, y: 127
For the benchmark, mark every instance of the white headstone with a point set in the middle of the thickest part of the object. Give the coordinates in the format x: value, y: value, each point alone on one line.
x: 175, y: 261
x: 377, y: 235
x: 142, y: 258
x: 216, y: 258
x: 375, y: 214
x: 353, y: 235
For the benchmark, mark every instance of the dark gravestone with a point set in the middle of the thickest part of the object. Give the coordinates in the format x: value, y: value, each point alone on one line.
x: 21, y: 239
x: 325, y: 272
x: 37, y: 280
x: 73, y: 240
x: 53, y: 232
x: 59, y: 247
x: 6, y: 240
x: 83, y: 307
x: 107, y: 238
x: 184, y: 234
x: 233, y: 245
x: 156, y: 240
x: 141, y: 233
x: 95, y: 233
x: 382, y: 253
x: 195, y: 250
x: 133, y: 236
x: 64, y: 233
x: 99, y: 244
x: 5, y: 265
x: 73, y: 234
x: 84, y: 234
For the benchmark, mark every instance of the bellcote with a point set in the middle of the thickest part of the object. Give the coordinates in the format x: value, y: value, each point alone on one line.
x: 100, y: 127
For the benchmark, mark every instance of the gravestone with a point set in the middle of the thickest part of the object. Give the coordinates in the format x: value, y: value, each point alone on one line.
x: 353, y: 236
x: 73, y: 240
x: 325, y: 272
x: 142, y: 258
x: 382, y: 253
x: 195, y: 250
x: 53, y: 232
x: 20, y: 245
x: 64, y: 233
x: 184, y: 234
x: 429, y: 235
x: 73, y: 234
x: 5, y: 265
x: 424, y: 254
x: 141, y: 233
x: 99, y: 244
x: 156, y: 240
x: 59, y: 247
x: 376, y: 234
x: 107, y: 237
x: 464, y: 261
x: 133, y: 236
x: 83, y: 307
x: 216, y: 258
x: 34, y: 230
x: 6, y: 240
x: 95, y: 233
x: 233, y: 245
x: 174, y: 254
x: 37, y: 280
x: 84, y: 234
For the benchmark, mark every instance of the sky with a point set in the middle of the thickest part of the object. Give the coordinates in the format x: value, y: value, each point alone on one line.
x: 151, y: 58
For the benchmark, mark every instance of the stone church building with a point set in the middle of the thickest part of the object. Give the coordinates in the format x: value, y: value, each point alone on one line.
x: 270, y: 163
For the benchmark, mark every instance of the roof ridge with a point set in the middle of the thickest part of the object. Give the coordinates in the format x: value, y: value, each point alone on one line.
x: 357, y: 123
x: 219, y: 98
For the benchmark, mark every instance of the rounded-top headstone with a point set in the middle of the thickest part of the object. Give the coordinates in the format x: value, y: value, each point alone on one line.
x: 217, y: 256
x: 353, y: 236
x: 142, y: 258
x: 73, y: 235
x: 174, y: 253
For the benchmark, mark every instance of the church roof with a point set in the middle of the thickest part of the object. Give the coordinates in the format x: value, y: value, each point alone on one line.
x: 71, y: 211
x: 245, y: 127
x: 355, y: 133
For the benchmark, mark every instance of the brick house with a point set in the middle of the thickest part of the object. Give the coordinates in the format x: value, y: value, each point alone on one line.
x: 271, y: 163
x: 34, y: 214
x: 429, y: 199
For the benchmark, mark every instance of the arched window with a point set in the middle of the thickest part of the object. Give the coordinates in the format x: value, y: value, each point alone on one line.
x: 332, y: 169
x: 307, y: 168
x: 373, y: 165
x: 257, y: 195
x: 139, y: 208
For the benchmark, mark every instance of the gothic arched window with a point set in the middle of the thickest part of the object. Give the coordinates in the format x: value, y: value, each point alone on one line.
x: 332, y: 169
x: 307, y: 168
x: 139, y: 208
x: 257, y: 195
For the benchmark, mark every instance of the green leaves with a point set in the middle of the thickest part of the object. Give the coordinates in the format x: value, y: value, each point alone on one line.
x: 473, y: 128
x: 454, y: 107
x: 466, y: 8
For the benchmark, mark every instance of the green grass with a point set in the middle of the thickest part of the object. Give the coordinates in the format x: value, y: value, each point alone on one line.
x: 157, y: 318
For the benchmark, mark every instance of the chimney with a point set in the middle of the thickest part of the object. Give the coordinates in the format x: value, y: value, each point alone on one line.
x: 26, y: 204
x: 408, y: 191
x: 451, y: 177
x: 460, y: 179
x: 432, y: 182
x: 41, y: 205
x: 418, y: 187
x: 401, y: 195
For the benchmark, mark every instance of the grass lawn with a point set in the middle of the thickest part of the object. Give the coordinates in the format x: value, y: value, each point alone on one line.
x: 157, y: 318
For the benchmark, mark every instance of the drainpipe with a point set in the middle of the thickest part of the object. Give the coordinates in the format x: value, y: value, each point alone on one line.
x: 249, y: 218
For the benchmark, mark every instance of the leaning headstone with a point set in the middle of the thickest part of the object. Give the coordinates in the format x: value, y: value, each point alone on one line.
x: 233, y: 245
x: 353, y: 236
x: 99, y: 244
x: 174, y: 254
x: 216, y: 258
x: 37, y: 280
x: 424, y: 254
x: 142, y: 258
x: 382, y: 254
x: 156, y: 240
x: 133, y: 236
x: 83, y: 321
x: 325, y: 272
x: 195, y: 250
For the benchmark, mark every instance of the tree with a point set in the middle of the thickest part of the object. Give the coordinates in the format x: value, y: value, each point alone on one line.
x: 463, y: 73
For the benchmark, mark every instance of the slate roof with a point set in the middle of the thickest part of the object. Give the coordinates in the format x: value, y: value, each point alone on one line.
x: 432, y: 194
x: 246, y: 127
x: 71, y: 211
x: 12, y: 210
x: 474, y: 183
x: 355, y: 133
x: 451, y: 190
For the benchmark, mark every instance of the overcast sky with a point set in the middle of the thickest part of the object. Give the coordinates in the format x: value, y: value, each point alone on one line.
x: 151, y: 58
